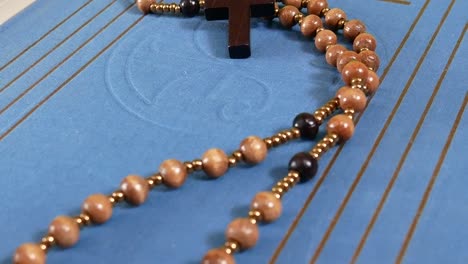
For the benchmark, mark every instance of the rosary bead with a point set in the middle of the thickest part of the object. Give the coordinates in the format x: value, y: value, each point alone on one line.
x: 242, y: 231
x: 353, y: 28
x: 315, y: 7
x: 98, y: 207
x: 254, y: 150
x: 29, y: 253
x: 268, y: 205
x: 215, y: 162
x: 333, y: 17
x: 218, y: 256
x: 144, y: 5
x: 352, y: 98
x: 370, y: 59
x: 345, y: 58
x: 189, y: 8
x: 305, y: 164
x: 65, y: 230
x: 341, y: 125
x: 325, y: 38
x: 295, y: 3
x: 372, y: 82
x: 333, y: 52
x: 173, y: 172
x: 135, y: 189
x: 310, y: 24
x: 307, y: 125
x: 364, y: 41
x: 354, y: 70
x: 287, y: 16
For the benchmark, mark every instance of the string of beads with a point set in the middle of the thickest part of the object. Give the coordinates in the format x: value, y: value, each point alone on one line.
x: 357, y: 68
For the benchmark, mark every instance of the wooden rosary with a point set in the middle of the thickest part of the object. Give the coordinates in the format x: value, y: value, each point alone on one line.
x: 357, y: 68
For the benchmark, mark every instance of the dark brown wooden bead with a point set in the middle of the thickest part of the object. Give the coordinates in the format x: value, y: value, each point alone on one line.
x: 307, y: 125
x: 189, y: 8
x: 305, y: 164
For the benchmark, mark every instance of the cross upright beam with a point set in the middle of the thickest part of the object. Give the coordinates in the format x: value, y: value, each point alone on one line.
x: 238, y: 12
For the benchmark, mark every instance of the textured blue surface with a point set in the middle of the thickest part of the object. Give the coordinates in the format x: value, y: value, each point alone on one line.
x: 101, y: 105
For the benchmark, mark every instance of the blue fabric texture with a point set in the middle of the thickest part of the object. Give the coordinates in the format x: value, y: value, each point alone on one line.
x: 108, y: 93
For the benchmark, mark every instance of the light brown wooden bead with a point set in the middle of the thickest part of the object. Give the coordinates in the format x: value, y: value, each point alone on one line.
x: 218, y: 256
x: 364, y: 41
x: 286, y: 16
x: 173, y: 172
x: 254, y: 150
x: 325, y: 38
x: 98, y: 207
x: 215, y: 162
x: 315, y: 7
x: 65, y: 230
x: 295, y: 3
x: 370, y: 59
x: 353, y: 28
x: 333, y: 52
x: 345, y: 58
x: 268, y: 205
x: 354, y: 70
x: 29, y: 253
x: 310, y: 24
x: 333, y: 17
x: 352, y: 99
x: 242, y: 231
x: 372, y: 82
x: 341, y: 125
x: 135, y: 189
x: 144, y: 5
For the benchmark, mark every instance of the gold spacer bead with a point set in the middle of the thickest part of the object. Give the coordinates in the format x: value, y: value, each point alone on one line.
x: 232, y: 162
x: 230, y: 247
x: 47, y: 242
x: 255, y: 216
x: 341, y: 23
x: 154, y: 180
x: 197, y: 164
x: 276, y: 141
x: 288, y: 134
x: 116, y: 197
x: 237, y: 155
x: 304, y: 3
x: 83, y: 220
x: 324, y: 11
x: 319, y: 29
x: 202, y: 4
x: 188, y: 166
x: 296, y: 132
x: 285, y: 185
x: 277, y: 191
x: 166, y: 8
x: 349, y: 113
x: 268, y: 142
x: 298, y: 18
x: 177, y: 9
x: 153, y: 8
x: 283, y: 136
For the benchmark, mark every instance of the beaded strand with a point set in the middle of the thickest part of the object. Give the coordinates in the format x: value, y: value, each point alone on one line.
x: 358, y: 70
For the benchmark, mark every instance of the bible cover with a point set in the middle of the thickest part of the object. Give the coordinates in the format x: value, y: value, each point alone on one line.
x: 92, y: 91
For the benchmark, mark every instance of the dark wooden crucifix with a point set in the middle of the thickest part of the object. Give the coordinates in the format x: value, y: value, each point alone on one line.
x: 239, y: 12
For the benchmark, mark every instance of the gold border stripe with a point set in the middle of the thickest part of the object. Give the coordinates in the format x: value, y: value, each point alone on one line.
x: 311, y: 196
x: 45, y: 35
x: 407, y: 150
x: 432, y: 181
x: 30, y: 112
x: 402, y: 2
x: 54, y: 48
x: 356, y: 181
x: 63, y: 61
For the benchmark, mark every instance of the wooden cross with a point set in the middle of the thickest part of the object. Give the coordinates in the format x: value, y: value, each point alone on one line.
x: 239, y: 12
